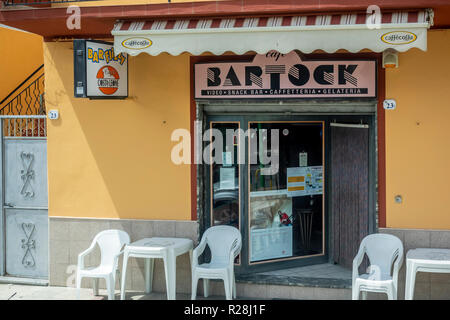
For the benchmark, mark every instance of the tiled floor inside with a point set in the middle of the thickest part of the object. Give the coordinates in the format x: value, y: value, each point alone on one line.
x: 320, y: 275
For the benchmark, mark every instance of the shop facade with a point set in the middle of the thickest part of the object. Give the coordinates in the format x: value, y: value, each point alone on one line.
x: 273, y: 188
x: 310, y: 161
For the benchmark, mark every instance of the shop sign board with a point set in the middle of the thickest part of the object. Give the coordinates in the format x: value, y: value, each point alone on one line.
x: 281, y: 76
x: 99, y: 73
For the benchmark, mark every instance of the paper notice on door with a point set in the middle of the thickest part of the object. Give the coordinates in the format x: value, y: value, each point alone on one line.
x: 227, y: 159
x: 304, y: 181
x: 227, y: 178
x: 303, y: 159
x: 270, y: 243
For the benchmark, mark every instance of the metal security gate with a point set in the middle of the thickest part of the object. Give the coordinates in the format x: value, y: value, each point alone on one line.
x: 24, y: 195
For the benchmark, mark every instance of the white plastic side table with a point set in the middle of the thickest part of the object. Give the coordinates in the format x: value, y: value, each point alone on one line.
x: 424, y: 260
x: 157, y: 248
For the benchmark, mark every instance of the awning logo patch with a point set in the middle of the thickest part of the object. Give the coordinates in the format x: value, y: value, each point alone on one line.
x: 398, y: 37
x: 137, y: 43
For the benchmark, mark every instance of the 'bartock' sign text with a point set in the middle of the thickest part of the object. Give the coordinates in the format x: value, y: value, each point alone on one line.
x: 275, y: 75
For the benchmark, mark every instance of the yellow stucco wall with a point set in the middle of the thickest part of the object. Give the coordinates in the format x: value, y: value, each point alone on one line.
x: 111, y: 158
x: 21, y: 53
x: 418, y: 137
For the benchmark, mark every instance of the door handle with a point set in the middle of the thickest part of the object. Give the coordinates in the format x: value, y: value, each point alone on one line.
x: 10, y: 205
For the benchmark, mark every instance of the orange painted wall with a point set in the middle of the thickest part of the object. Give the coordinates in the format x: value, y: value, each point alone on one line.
x: 21, y: 53
x: 418, y: 137
x: 112, y: 158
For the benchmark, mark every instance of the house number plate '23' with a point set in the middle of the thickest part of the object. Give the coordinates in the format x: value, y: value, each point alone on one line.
x: 389, y: 104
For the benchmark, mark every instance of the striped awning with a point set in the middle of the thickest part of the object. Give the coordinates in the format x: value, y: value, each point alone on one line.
x: 307, y: 33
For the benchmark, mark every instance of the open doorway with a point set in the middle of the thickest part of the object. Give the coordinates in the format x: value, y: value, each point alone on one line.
x: 288, y: 196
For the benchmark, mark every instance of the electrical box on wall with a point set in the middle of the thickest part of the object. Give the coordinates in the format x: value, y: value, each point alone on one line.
x: 390, y: 59
x: 98, y: 72
x: 79, y: 68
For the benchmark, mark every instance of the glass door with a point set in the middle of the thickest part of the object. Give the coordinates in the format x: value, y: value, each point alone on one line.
x: 224, y: 173
x: 266, y: 177
x: 286, y: 217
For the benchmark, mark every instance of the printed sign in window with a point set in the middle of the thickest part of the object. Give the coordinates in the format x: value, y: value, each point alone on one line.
x: 227, y: 177
x: 304, y: 181
x: 271, y: 243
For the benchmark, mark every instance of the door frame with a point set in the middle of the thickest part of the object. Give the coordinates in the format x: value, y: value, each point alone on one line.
x: 244, y: 118
x: 2, y: 209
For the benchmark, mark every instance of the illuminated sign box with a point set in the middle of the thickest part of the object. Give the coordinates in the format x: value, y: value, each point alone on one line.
x: 98, y: 72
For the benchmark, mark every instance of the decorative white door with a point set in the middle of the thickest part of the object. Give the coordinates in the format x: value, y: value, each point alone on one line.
x: 25, y: 200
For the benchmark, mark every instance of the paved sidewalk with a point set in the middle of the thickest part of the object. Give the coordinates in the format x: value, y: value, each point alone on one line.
x: 29, y: 292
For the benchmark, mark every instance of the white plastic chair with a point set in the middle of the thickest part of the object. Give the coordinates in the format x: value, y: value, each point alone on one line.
x: 111, y: 243
x: 383, y: 251
x: 225, y: 244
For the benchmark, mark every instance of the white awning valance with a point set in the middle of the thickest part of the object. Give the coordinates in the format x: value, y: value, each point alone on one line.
x: 397, y: 30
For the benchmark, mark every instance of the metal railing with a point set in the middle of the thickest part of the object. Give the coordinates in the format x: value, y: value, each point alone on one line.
x: 27, y: 98
x: 30, y: 127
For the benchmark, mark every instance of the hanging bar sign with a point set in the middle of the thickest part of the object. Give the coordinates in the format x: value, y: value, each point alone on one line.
x: 99, y: 73
x: 275, y: 75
